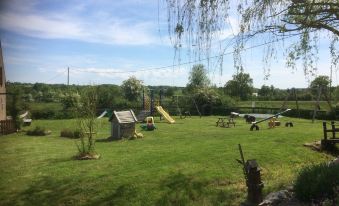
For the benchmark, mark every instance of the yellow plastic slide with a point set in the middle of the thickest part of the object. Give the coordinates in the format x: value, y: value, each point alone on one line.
x: 165, y: 114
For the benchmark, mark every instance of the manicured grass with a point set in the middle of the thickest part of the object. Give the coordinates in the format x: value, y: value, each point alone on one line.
x: 190, y: 162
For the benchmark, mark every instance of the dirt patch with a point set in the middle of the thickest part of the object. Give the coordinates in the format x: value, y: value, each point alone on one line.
x: 87, y: 157
x: 316, y: 145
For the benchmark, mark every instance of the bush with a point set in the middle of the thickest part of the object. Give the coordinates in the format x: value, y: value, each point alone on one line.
x: 38, y: 131
x: 74, y: 134
x: 43, y: 114
x: 317, y: 182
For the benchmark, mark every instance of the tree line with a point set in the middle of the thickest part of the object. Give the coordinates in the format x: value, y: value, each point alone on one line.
x: 129, y: 94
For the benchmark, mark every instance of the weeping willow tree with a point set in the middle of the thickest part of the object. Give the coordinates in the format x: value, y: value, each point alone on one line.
x: 295, y: 25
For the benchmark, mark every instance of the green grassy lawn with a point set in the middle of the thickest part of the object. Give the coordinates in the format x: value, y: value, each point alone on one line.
x: 191, y: 162
x: 289, y: 104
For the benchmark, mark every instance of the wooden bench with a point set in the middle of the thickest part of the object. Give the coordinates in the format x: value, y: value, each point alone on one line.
x: 327, y: 141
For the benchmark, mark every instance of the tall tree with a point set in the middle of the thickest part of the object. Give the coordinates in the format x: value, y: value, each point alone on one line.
x: 266, y: 92
x: 321, y: 81
x: 240, y: 86
x: 198, y: 78
x: 199, y: 22
x: 132, y: 88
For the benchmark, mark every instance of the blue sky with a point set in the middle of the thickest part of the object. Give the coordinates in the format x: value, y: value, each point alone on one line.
x: 100, y: 40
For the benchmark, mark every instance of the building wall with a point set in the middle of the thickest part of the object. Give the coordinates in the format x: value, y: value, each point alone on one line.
x: 2, y: 88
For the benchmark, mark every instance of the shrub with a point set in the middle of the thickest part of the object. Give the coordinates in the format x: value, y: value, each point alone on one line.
x: 38, y: 131
x: 317, y: 182
x: 43, y: 114
x: 74, y: 134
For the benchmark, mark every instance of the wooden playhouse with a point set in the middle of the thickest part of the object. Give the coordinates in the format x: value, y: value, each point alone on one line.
x: 122, y: 124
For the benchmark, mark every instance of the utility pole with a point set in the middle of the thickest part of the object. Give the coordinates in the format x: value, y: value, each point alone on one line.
x: 68, y: 76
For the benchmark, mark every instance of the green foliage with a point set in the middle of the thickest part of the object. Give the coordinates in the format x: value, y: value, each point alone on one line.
x: 206, y: 96
x: 317, y: 182
x: 198, y: 78
x: 87, y: 121
x: 70, y: 100
x: 200, y: 21
x: 109, y: 95
x: 266, y: 92
x: 169, y: 92
x: 70, y: 133
x: 15, y: 105
x: 336, y: 94
x: 44, y: 114
x: 227, y: 101
x: 38, y: 131
x: 240, y: 86
x: 132, y: 88
x: 320, y: 81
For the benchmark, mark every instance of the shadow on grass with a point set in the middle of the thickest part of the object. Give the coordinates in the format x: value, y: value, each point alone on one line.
x: 180, y: 189
x: 332, y: 150
x: 48, y: 191
x: 108, y: 139
x: 124, y: 195
x: 176, y: 189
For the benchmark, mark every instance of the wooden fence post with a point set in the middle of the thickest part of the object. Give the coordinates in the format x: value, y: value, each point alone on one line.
x: 333, y: 129
x: 324, y: 129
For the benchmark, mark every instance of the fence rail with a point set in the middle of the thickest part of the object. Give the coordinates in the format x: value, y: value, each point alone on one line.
x: 7, y: 127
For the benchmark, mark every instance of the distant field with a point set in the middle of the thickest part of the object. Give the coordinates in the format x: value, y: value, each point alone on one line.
x: 289, y: 104
x: 43, y: 106
x: 191, y: 162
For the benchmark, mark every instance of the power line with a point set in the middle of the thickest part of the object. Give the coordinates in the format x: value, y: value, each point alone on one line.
x: 56, y: 76
x: 168, y: 66
x: 180, y: 64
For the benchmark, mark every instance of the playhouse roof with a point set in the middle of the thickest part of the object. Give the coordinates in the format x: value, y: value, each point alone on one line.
x: 124, y: 116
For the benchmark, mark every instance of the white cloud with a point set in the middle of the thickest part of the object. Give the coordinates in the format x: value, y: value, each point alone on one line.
x: 154, y: 77
x: 98, y: 28
x: 38, y: 26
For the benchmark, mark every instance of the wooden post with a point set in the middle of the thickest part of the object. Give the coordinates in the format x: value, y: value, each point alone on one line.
x: 160, y: 101
x: 254, y: 183
x: 333, y: 129
x: 253, y: 179
x: 243, y: 161
x: 143, y: 99
x: 196, y: 106
x: 324, y: 129
x: 178, y: 108
x: 296, y: 101
x: 152, y: 102
x: 317, y: 105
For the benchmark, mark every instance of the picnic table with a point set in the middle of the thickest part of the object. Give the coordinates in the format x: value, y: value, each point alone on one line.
x: 225, y: 122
